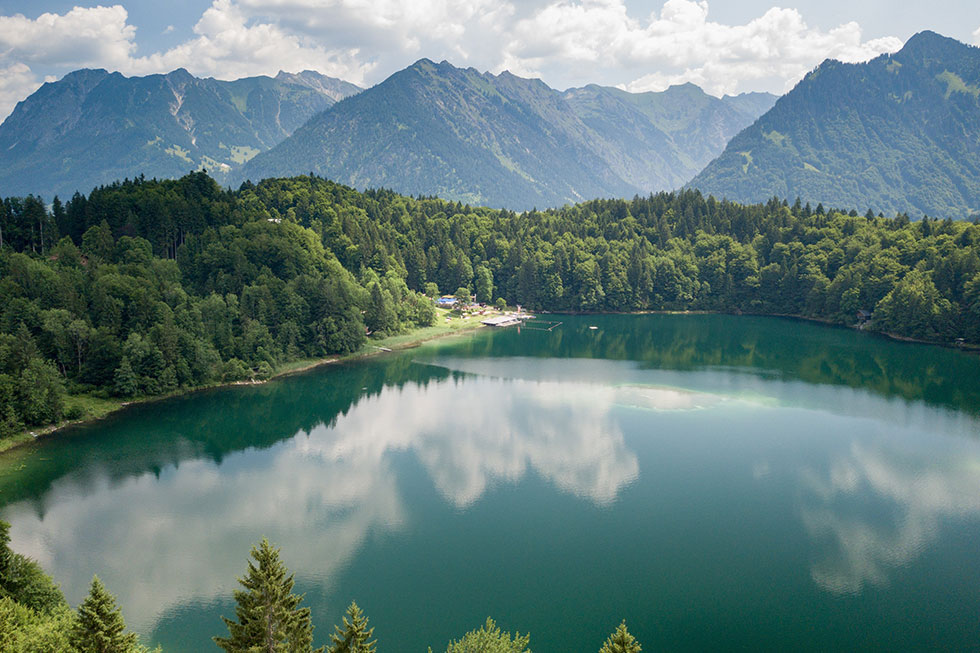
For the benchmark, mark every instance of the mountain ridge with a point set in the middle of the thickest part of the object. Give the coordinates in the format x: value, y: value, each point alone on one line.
x: 93, y: 127
x: 906, y: 140
x: 497, y: 139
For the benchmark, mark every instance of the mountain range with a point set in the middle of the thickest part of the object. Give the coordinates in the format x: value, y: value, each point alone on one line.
x: 900, y: 133
x: 93, y: 127
x: 431, y: 129
x: 507, y: 141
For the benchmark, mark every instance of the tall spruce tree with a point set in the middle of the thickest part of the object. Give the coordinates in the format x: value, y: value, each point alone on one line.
x: 354, y: 636
x: 269, y: 617
x: 99, y: 625
x: 621, y: 642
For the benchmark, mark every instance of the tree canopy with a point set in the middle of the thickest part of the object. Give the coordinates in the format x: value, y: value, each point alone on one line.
x: 147, y: 287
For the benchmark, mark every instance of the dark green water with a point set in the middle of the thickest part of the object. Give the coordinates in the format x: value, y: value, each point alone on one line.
x: 719, y: 482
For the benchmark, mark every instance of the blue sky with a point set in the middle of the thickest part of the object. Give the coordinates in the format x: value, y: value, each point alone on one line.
x: 724, y: 46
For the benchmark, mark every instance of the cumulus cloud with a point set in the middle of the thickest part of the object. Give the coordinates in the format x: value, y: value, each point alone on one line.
x: 681, y: 44
x: 229, y: 44
x: 565, y: 42
x: 95, y: 36
x: 16, y: 82
x: 82, y: 37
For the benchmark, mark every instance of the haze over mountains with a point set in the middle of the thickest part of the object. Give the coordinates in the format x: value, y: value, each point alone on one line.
x: 900, y: 133
x: 430, y: 129
x: 93, y: 127
x: 506, y: 141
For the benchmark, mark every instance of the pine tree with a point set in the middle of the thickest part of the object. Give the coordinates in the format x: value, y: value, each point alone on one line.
x: 269, y: 619
x: 354, y: 636
x: 621, y: 642
x: 99, y: 626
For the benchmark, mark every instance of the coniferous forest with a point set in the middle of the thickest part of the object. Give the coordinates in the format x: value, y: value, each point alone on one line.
x: 148, y: 287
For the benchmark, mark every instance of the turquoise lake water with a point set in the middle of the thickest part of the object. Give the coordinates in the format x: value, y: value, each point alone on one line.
x: 719, y: 482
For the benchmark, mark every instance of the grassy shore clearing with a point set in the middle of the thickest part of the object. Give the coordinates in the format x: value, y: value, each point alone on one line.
x: 88, y: 408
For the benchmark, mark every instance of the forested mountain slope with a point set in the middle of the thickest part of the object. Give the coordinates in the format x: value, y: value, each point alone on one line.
x: 505, y: 141
x: 93, y: 127
x: 146, y: 287
x: 900, y: 133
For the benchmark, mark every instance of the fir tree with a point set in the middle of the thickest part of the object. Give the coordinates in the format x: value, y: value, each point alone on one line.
x: 354, y: 636
x: 489, y: 639
x: 269, y: 619
x: 621, y: 642
x: 99, y: 625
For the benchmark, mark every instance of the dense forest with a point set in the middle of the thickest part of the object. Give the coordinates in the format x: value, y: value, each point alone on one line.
x: 34, y: 616
x: 147, y: 287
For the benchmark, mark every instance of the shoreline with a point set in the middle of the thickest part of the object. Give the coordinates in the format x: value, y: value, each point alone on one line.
x: 966, y: 347
x: 107, y: 407
x: 414, y: 338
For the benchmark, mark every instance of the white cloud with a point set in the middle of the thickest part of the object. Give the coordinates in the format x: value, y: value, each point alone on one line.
x: 16, y: 82
x: 680, y: 44
x: 569, y: 42
x: 96, y: 36
x: 229, y: 44
x: 83, y: 37
x: 566, y: 42
x: 976, y: 37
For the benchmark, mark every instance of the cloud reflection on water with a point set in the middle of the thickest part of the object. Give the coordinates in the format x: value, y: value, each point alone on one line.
x: 163, y: 540
x: 911, y: 494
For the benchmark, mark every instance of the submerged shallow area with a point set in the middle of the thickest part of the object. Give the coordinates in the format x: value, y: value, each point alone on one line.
x: 718, y: 481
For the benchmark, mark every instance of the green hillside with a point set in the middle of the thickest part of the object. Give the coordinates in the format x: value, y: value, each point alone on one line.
x: 505, y: 141
x: 900, y: 133
x: 93, y: 127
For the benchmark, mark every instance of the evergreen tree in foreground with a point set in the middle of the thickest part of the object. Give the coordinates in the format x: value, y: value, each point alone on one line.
x: 621, y: 642
x: 489, y: 639
x: 23, y: 580
x: 99, y: 626
x: 354, y: 636
x: 269, y: 619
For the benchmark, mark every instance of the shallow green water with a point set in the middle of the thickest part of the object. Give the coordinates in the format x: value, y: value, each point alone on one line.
x: 719, y: 482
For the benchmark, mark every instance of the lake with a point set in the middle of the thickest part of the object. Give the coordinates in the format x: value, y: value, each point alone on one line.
x: 719, y: 482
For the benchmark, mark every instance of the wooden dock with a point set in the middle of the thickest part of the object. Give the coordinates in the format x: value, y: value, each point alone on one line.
x: 517, y: 319
x: 504, y: 320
